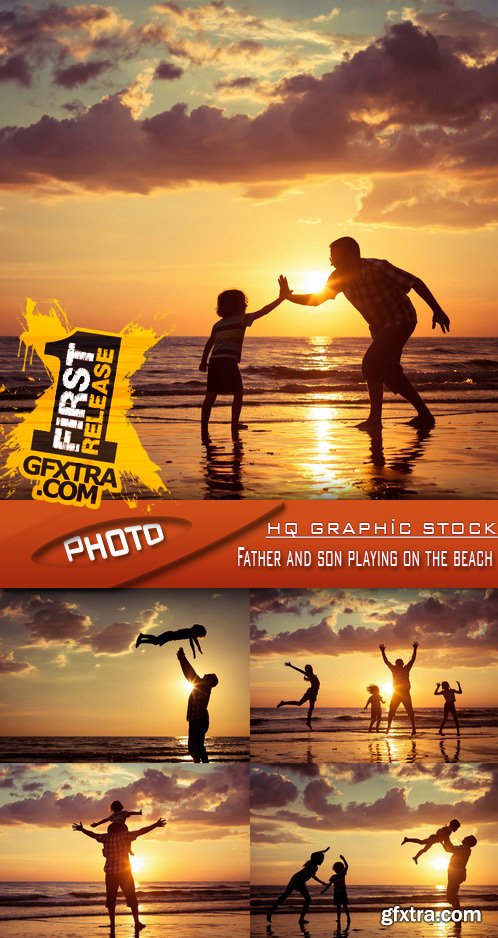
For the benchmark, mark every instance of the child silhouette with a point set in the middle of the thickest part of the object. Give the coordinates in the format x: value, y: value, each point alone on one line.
x: 449, y: 694
x: 442, y: 834
x: 194, y: 633
x: 338, y: 880
x: 224, y: 350
x: 374, y: 702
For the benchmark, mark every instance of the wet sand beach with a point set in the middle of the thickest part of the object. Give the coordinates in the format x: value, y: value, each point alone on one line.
x: 189, y: 925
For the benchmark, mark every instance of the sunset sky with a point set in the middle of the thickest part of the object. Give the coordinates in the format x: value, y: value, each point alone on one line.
x: 152, y: 155
x: 206, y: 809
x: 363, y: 811
x: 339, y: 631
x: 68, y: 665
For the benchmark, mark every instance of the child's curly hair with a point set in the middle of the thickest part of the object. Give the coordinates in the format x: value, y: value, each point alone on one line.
x: 231, y: 303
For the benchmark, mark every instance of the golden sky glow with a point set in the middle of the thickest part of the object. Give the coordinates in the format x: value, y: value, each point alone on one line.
x: 157, y: 222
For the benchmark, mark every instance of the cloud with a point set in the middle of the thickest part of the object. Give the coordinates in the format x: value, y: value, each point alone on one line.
x: 375, y: 112
x: 451, y: 625
x: 15, y: 68
x: 8, y: 665
x: 56, y: 621
x: 271, y: 790
x: 80, y: 73
x: 166, y: 71
x: 214, y: 800
x: 114, y: 639
x: 320, y: 809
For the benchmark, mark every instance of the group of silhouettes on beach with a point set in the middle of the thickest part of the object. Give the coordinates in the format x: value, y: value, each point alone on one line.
x: 376, y: 288
x: 401, y: 694
x: 197, y: 707
x: 457, y: 873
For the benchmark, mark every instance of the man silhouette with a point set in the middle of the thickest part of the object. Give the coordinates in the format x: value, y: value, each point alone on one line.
x: 197, y: 708
x: 401, y: 686
x: 118, y: 875
x: 379, y: 291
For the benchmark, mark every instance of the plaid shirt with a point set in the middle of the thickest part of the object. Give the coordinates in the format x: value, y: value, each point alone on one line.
x: 379, y: 293
x: 197, y: 707
x: 116, y: 850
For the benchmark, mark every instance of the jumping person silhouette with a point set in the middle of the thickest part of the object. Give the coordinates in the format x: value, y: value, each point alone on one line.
x: 298, y: 882
x: 401, y: 689
x: 310, y: 695
x: 374, y: 701
x: 379, y: 291
x: 449, y: 694
x: 193, y: 634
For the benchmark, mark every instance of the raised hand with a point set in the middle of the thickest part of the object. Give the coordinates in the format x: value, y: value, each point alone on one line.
x: 441, y: 319
x: 180, y: 653
x: 382, y: 647
x: 415, y: 645
x: 288, y: 664
x: 78, y: 827
x: 161, y: 822
x: 285, y: 291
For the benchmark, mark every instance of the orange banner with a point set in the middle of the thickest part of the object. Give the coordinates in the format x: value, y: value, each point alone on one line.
x: 251, y: 544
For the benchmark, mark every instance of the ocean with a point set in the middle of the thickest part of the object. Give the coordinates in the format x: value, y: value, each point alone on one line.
x: 374, y: 898
x: 264, y: 720
x: 118, y: 749
x: 38, y: 900
x: 303, y: 397
x: 282, y: 372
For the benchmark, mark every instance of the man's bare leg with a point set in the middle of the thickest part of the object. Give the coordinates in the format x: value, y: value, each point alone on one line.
x: 373, y: 424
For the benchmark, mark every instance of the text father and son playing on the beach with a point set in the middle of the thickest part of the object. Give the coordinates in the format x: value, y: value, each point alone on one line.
x: 377, y: 289
x: 401, y: 694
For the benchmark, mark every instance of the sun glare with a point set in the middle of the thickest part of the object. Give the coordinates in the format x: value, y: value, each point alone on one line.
x: 310, y: 281
x: 440, y: 863
x: 137, y: 864
x: 188, y: 686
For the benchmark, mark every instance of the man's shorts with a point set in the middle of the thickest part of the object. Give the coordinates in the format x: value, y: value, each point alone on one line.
x: 381, y: 361
x: 224, y: 376
x: 123, y: 881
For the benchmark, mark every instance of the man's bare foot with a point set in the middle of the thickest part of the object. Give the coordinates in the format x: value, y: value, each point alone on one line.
x: 268, y: 916
x: 422, y: 421
x: 369, y: 426
x: 403, y: 842
x: 139, y: 926
x: 139, y: 640
x: 440, y: 732
x: 281, y: 704
x: 308, y: 723
x: 415, y: 860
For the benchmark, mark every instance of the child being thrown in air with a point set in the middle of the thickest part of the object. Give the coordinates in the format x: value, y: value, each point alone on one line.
x: 193, y: 634
x: 443, y: 833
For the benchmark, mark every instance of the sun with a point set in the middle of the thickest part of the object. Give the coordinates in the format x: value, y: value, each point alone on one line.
x: 386, y: 690
x: 187, y: 685
x: 137, y: 864
x: 440, y: 863
x: 310, y: 281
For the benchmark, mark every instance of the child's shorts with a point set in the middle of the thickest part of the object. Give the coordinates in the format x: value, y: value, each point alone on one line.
x: 224, y: 376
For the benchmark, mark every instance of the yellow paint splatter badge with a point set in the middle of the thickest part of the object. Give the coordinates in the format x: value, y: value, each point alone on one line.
x: 78, y: 441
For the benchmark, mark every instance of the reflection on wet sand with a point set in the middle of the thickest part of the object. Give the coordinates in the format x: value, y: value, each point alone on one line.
x: 222, y: 469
